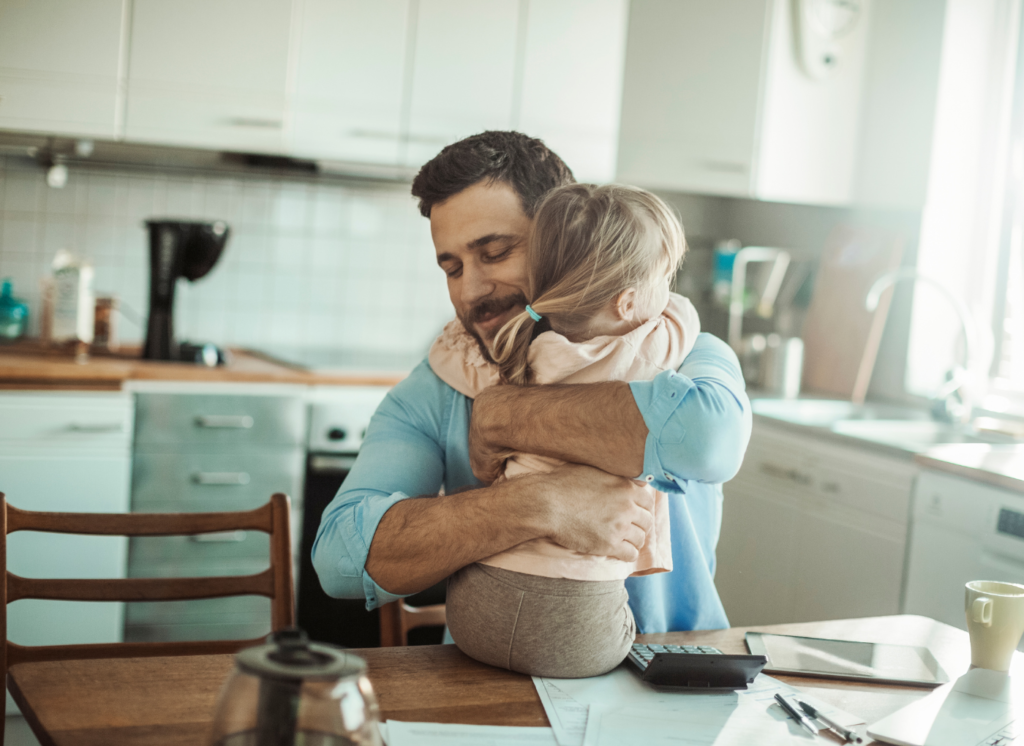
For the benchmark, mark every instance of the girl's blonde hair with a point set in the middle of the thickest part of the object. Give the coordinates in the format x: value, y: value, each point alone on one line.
x: 589, y: 244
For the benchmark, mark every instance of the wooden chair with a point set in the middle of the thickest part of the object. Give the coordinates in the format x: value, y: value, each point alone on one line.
x: 398, y: 617
x: 275, y: 582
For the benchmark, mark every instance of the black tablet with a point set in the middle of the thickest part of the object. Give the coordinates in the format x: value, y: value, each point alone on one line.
x: 842, y: 659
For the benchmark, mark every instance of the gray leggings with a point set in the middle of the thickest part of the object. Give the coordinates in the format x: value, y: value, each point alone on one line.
x: 565, y: 629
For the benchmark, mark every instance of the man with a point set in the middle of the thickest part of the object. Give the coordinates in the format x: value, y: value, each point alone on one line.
x: 684, y: 432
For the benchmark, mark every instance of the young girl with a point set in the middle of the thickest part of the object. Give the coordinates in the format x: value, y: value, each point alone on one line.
x: 600, y: 263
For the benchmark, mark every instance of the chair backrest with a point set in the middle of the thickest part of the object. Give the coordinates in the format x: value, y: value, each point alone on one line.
x: 275, y: 582
x: 398, y: 617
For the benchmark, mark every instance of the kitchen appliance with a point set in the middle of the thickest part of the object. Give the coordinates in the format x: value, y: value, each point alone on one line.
x: 177, y: 248
x: 291, y: 692
x: 961, y: 530
x: 771, y: 363
x: 338, y: 418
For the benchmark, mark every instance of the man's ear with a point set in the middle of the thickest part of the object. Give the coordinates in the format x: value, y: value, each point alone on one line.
x: 625, y: 304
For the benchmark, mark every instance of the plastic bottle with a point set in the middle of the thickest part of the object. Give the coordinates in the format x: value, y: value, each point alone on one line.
x: 13, y: 314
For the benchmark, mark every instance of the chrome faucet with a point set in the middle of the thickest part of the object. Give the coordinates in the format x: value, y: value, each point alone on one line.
x: 949, y: 403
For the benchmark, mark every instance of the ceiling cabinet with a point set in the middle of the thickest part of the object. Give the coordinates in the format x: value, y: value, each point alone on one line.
x: 350, y: 64
x: 60, y: 66
x: 197, y: 76
x: 463, y: 74
x: 572, y: 81
x: 745, y: 98
x: 388, y: 82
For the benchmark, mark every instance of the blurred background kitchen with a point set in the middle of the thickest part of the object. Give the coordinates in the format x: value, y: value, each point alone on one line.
x: 848, y: 173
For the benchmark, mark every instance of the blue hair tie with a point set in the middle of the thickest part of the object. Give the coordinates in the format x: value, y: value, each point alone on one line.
x: 533, y: 314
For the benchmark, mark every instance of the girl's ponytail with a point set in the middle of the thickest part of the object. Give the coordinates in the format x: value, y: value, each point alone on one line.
x: 512, y: 349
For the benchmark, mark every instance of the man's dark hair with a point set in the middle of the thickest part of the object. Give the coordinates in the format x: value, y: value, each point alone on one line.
x: 524, y: 163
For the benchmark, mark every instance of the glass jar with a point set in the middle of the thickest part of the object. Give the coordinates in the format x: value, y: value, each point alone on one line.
x: 293, y: 692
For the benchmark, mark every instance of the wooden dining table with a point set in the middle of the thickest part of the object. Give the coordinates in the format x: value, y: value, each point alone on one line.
x: 171, y: 701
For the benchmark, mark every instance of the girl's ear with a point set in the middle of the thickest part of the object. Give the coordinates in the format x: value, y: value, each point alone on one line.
x: 625, y: 304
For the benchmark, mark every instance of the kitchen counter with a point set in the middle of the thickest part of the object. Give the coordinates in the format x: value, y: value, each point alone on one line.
x: 998, y: 465
x: 31, y: 365
x: 884, y: 428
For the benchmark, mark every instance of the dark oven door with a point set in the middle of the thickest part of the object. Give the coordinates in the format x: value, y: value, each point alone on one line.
x: 335, y: 620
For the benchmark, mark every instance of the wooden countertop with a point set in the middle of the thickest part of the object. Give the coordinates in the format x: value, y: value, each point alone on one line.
x: 31, y: 365
x: 998, y: 465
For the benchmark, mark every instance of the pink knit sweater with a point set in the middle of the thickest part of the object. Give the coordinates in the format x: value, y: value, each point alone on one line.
x: 659, y: 344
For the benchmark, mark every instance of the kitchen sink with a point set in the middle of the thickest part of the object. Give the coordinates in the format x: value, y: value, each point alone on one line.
x: 825, y: 412
x: 908, y: 429
x: 910, y: 435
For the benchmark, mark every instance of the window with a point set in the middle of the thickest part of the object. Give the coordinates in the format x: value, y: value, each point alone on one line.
x: 973, y: 219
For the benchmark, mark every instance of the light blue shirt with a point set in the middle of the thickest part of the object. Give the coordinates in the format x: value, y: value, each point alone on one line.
x: 698, y: 421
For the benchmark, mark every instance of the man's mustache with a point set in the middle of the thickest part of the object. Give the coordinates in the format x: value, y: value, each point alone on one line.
x: 490, y: 306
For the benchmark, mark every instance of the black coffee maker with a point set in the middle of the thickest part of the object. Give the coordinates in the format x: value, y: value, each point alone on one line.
x: 178, y: 248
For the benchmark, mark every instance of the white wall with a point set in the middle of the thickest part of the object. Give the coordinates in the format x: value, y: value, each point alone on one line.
x: 309, y: 263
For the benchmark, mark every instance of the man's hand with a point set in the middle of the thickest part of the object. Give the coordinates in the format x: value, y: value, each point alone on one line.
x: 594, y: 512
x: 486, y: 454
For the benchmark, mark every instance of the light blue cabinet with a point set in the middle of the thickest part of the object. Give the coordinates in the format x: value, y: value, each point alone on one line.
x: 66, y: 452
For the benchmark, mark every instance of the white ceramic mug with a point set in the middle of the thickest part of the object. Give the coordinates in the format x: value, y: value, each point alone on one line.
x: 995, y: 621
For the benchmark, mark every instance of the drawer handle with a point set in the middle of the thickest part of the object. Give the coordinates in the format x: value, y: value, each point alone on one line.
x: 225, y: 421
x: 781, y: 472
x: 320, y: 464
x: 219, y: 537
x: 96, y: 427
x: 223, y: 478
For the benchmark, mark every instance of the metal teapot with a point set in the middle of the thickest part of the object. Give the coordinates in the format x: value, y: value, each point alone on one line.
x: 293, y: 692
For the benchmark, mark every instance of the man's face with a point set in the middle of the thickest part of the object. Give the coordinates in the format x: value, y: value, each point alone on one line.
x: 480, y: 237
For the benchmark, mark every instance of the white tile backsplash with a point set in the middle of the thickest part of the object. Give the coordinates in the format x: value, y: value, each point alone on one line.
x: 308, y: 263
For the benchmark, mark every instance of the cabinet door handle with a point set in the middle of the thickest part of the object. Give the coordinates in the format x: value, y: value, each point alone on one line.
x: 221, y: 478
x: 225, y: 421
x: 255, y: 122
x: 219, y: 537
x: 96, y: 427
x: 782, y: 472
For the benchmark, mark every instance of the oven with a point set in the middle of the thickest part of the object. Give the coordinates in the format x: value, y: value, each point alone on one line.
x: 338, y: 418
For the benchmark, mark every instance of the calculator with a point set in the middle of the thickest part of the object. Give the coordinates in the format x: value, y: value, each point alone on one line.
x: 695, y: 667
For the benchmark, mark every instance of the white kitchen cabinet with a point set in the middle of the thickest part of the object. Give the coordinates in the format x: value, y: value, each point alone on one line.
x: 716, y: 100
x: 66, y: 452
x: 209, y: 73
x: 351, y: 59
x: 812, y: 530
x: 463, y: 76
x: 572, y: 81
x: 61, y: 66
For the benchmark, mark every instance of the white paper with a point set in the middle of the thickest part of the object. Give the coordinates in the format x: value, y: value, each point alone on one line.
x: 573, y: 703
x: 401, y: 733
x: 568, y: 717
x: 981, y: 707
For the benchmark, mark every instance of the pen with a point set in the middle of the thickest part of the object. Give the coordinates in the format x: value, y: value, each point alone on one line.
x: 796, y: 714
x: 844, y: 733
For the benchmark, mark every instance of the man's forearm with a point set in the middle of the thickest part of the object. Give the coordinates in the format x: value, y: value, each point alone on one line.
x: 422, y: 541
x: 597, y: 424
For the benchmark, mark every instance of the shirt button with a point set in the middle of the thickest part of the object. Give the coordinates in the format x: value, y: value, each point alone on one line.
x: 649, y: 477
x: 669, y: 477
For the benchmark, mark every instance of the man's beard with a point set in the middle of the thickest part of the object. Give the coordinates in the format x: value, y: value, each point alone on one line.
x: 486, y: 307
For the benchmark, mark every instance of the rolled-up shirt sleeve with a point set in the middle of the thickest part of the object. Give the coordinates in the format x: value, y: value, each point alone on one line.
x: 698, y: 418
x: 401, y: 457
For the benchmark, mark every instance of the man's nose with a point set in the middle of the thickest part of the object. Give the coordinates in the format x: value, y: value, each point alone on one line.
x: 476, y: 284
